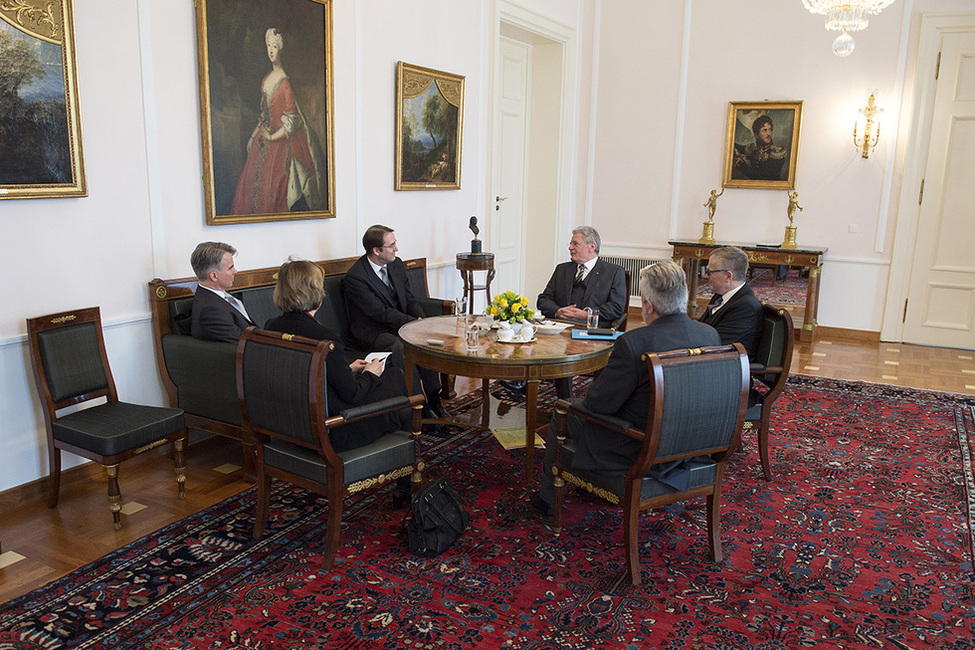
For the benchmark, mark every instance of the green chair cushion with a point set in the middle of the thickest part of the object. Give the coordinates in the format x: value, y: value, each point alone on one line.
x: 391, y: 452
x: 116, y: 427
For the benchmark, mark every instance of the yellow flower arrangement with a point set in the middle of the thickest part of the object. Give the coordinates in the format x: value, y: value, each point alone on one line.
x: 511, y: 307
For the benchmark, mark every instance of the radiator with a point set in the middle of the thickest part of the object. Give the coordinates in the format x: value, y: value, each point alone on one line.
x: 633, y: 265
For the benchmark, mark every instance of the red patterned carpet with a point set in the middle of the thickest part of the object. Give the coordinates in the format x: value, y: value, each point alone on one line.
x: 863, y: 540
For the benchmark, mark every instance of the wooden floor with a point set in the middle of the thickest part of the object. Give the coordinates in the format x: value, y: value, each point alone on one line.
x: 41, y: 544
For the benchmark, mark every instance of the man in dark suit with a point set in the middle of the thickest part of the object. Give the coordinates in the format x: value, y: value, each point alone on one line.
x: 217, y: 315
x: 622, y: 390
x: 379, y: 300
x: 734, y: 310
x: 585, y: 281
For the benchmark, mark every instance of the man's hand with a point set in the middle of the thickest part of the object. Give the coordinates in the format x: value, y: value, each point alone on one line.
x: 571, y: 313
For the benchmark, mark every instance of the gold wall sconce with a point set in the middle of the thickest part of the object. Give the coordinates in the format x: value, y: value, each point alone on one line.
x: 871, y: 129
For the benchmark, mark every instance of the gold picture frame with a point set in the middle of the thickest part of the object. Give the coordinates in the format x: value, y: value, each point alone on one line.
x: 762, y: 144
x: 429, y: 128
x: 266, y: 109
x: 41, y: 153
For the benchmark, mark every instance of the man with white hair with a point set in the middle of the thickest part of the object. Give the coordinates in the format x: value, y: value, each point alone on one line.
x: 584, y: 281
x: 622, y: 390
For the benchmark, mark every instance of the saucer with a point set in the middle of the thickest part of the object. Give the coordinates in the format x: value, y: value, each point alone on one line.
x: 532, y: 340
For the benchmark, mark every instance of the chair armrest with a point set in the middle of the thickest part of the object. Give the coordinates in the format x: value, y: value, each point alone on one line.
x: 371, y: 410
x: 435, y: 306
x: 608, y: 421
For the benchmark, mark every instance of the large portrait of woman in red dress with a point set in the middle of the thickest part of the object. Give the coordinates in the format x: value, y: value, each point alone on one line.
x: 265, y: 99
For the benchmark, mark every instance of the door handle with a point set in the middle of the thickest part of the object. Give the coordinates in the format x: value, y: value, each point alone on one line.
x: 501, y: 198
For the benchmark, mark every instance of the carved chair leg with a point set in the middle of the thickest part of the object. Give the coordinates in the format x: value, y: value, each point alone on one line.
x: 114, y: 496
x: 334, y: 525
x: 763, y: 445
x: 558, y: 500
x: 180, y: 464
x: 54, y: 477
x: 416, y: 478
x: 714, y: 523
x: 631, y: 517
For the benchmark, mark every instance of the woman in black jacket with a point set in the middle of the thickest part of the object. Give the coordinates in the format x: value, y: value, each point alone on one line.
x: 298, y: 294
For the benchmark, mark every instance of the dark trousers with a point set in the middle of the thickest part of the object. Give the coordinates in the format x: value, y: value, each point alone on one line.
x: 428, y: 379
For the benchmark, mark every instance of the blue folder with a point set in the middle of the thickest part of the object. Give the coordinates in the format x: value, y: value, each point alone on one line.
x: 585, y: 335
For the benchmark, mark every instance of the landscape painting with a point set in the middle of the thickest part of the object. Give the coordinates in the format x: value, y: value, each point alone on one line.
x: 429, y: 128
x: 40, y: 134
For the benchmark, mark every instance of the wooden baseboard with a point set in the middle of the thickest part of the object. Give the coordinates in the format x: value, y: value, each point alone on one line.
x: 824, y: 332
x: 88, y: 472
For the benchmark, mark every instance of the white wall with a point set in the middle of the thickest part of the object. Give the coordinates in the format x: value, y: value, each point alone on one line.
x: 140, y: 117
x: 666, y: 74
x: 653, y: 80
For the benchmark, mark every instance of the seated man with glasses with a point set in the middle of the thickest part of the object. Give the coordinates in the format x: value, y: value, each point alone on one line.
x: 379, y: 300
x: 734, y: 310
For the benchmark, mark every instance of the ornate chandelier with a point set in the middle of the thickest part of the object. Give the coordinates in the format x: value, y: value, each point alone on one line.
x: 845, y: 16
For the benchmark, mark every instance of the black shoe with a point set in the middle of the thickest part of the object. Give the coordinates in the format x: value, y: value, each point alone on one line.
x: 545, y: 509
x: 434, y: 412
x: 517, y: 385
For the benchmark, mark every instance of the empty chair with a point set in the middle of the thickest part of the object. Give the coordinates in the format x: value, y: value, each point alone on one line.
x: 770, y: 365
x: 280, y: 385
x: 697, y: 405
x: 71, y: 367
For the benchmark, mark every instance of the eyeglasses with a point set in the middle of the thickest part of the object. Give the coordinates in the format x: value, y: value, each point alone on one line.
x: 710, y: 271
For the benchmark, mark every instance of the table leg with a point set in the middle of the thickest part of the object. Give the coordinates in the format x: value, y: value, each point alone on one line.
x: 485, y: 403
x: 693, y: 271
x: 812, y: 305
x: 531, y: 412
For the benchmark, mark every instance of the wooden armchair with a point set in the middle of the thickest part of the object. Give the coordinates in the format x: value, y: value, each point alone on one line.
x: 770, y: 365
x: 280, y: 385
x: 71, y: 367
x: 697, y: 406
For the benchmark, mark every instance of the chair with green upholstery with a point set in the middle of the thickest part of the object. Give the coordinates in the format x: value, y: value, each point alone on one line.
x: 71, y: 367
x: 280, y: 385
x: 697, y: 405
x: 770, y: 367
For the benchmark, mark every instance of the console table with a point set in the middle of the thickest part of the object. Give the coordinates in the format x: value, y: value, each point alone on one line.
x: 690, y: 253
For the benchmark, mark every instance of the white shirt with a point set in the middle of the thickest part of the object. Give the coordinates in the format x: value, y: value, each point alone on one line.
x: 377, y: 269
x: 591, y: 263
x: 725, y: 297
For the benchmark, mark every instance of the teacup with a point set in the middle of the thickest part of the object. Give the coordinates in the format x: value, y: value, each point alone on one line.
x: 526, y: 333
x: 506, y: 334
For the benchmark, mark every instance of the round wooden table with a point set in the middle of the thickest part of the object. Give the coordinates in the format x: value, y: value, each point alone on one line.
x: 550, y: 356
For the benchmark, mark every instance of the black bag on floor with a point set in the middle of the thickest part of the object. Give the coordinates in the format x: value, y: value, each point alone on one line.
x: 436, y: 518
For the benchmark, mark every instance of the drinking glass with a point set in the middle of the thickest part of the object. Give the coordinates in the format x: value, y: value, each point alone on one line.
x: 473, y: 334
x: 592, y: 318
x: 460, y: 306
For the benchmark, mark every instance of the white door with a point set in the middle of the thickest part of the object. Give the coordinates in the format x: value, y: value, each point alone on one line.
x: 941, y: 299
x: 511, y: 161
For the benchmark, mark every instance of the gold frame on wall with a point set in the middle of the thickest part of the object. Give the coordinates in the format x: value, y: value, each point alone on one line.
x: 51, y: 164
x: 772, y: 166
x: 245, y: 130
x: 419, y: 166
